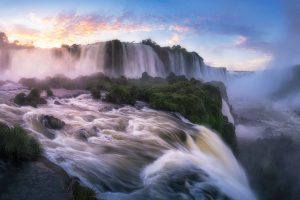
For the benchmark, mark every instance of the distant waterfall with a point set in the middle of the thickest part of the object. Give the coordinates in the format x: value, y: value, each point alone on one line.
x: 113, y: 58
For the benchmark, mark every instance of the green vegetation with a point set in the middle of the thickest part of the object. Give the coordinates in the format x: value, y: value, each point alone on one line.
x: 51, y: 122
x: 199, y: 102
x: 163, y: 53
x: 16, y: 145
x: 83, y: 193
x: 74, y: 50
x: 32, y: 99
x: 120, y: 94
x: 95, y: 92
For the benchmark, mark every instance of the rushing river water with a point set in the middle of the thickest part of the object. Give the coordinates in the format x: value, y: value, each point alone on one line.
x: 132, y: 153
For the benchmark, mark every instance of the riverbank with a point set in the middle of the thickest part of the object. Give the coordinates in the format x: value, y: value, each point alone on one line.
x: 39, y: 180
x: 26, y: 174
x: 119, y: 149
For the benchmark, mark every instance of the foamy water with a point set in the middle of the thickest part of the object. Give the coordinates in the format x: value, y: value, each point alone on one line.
x: 129, y: 153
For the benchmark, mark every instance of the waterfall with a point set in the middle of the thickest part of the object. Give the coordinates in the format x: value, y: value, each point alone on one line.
x: 129, y: 153
x: 113, y: 58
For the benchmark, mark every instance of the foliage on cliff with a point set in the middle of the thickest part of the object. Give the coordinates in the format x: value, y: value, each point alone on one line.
x: 199, y: 102
x: 163, y: 53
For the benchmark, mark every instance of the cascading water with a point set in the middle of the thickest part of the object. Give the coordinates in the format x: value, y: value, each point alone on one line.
x: 130, y: 153
x: 113, y: 58
x: 124, y: 153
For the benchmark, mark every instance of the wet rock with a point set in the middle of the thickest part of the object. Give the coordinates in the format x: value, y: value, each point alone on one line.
x: 32, y: 99
x: 82, y: 134
x: 140, y: 104
x: 57, y: 103
x: 228, y: 135
x: 222, y: 89
x: 79, y: 191
x: 49, y: 92
x: 51, y: 122
x: 108, y: 108
x: 31, y: 180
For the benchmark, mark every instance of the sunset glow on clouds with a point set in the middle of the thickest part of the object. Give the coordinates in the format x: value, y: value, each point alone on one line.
x: 236, y: 39
x: 70, y: 28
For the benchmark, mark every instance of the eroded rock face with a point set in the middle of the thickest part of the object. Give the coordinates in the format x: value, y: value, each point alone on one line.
x: 31, y: 180
x: 51, y: 122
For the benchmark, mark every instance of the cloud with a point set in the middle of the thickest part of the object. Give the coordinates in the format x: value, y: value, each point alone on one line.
x: 70, y: 27
x: 254, y: 62
x: 174, y: 39
x: 240, y: 41
x: 21, y: 29
x: 287, y: 50
x: 179, y: 28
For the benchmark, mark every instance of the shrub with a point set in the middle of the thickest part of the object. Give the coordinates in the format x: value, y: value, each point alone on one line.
x: 95, y: 93
x: 172, y: 78
x: 199, y: 102
x: 16, y: 145
x: 122, y: 95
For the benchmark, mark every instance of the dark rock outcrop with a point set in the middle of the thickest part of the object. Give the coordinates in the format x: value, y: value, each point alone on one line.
x: 221, y: 87
x: 114, y: 58
x: 49, y: 92
x: 51, y: 122
x: 32, y: 99
x: 40, y: 180
x: 31, y: 180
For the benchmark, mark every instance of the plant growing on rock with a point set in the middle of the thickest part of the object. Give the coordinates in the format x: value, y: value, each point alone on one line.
x: 17, y: 145
x: 32, y: 99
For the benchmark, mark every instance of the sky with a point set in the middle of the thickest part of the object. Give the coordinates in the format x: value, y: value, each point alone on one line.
x: 237, y: 34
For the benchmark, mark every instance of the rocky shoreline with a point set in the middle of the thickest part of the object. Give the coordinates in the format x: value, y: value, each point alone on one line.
x: 25, y: 173
x: 36, y: 180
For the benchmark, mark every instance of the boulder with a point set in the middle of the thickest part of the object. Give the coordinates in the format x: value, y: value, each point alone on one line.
x: 57, y: 103
x: 51, y: 122
x: 140, y: 105
x: 49, y: 92
x: 32, y: 99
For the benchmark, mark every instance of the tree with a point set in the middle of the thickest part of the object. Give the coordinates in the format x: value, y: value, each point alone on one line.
x: 3, y: 39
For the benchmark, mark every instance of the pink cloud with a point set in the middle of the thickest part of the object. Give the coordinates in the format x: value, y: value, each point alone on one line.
x: 179, y: 28
x: 174, y: 39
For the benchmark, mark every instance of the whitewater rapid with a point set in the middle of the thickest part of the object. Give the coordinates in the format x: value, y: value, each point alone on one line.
x: 130, y: 153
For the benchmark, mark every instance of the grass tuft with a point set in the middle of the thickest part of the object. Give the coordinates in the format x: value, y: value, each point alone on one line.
x: 17, y: 145
x: 83, y: 193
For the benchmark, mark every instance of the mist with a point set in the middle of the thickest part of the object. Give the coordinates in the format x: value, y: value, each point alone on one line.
x: 286, y: 51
